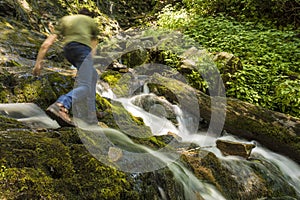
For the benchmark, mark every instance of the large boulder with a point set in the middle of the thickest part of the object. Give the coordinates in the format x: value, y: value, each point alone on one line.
x: 243, y: 180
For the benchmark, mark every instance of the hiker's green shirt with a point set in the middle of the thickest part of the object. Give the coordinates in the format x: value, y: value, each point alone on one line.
x: 77, y: 28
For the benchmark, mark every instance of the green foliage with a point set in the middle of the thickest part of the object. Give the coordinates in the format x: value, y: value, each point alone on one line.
x: 280, y: 13
x: 288, y: 96
x: 168, y: 58
x: 73, y: 7
x: 172, y: 18
x: 196, y: 81
x: 270, y: 57
x: 253, y: 84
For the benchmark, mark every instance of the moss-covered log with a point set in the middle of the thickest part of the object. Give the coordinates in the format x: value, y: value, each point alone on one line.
x: 276, y: 131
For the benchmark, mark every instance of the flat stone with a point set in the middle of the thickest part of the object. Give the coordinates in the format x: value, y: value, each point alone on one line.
x: 231, y: 148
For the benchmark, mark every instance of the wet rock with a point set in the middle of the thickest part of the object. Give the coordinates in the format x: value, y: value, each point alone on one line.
x: 156, y: 105
x: 136, y: 57
x: 55, y: 169
x: 235, y: 148
x: 241, y: 180
x: 117, y: 66
x: 159, y: 184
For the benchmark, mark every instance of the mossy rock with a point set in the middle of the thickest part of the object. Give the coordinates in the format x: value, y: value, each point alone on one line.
x: 242, y: 180
x: 166, y: 142
x: 166, y: 181
x: 4, y: 94
x: 37, y: 165
x: 111, y: 77
x: 8, y: 123
x: 97, y: 181
x: 27, y: 183
x: 42, y: 90
x: 129, y: 124
x: 135, y: 58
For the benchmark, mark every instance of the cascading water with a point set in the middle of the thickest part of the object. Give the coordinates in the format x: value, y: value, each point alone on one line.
x: 192, y: 186
x: 277, y: 170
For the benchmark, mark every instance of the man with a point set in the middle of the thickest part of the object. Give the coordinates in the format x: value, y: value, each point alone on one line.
x: 79, y: 34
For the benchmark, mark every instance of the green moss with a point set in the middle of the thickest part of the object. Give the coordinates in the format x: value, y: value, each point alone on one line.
x: 4, y: 95
x: 162, y: 90
x: 28, y: 91
x: 91, y: 174
x: 111, y: 77
x: 277, y: 138
x: 42, y: 91
x: 135, y: 58
x: 66, y: 135
x: 192, y: 161
x: 6, y: 80
x: 224, y: 181
x: 8, y: 123
x: 39, y: 165
x: 129, y: 124
x: 27, y: 183
x: 102, y: 103
x: 60, y: 84
x: 152, y: 142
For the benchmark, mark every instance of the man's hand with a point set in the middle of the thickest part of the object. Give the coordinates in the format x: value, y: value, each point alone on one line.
x: 41, y: 54
x: 37, y: 69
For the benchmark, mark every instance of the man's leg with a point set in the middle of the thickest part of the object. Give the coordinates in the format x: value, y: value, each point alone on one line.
x: 78, y: 55
x: 85, y: 101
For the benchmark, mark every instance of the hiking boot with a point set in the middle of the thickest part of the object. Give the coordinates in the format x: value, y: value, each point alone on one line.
x: 60, y: 114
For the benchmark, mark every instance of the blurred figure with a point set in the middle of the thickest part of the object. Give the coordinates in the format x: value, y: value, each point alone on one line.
x: 79, y: 33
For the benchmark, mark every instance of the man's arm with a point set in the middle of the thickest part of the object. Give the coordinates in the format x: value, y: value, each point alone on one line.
x: 94, y: 43
x: 41, y: 54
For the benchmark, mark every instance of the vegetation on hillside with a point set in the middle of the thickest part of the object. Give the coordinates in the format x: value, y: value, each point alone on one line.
x: 267, y: 44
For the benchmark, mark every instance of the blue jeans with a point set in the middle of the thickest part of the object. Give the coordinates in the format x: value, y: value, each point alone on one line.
x: 84, y: 92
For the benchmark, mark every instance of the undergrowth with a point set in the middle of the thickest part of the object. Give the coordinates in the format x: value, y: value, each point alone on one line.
x: 270, y: 56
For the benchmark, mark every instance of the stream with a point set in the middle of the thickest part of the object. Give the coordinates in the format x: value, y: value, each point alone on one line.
x: 193, y: 186
x: 136, y: 158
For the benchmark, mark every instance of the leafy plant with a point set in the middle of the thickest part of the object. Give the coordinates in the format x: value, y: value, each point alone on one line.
x: 279, y: 13
x: 288, y: 97
x: 171, y: 18
x: 270, y: 57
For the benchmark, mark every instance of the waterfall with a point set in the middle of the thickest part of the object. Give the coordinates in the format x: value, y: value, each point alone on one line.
x: 130, y: 156
x: 160, y: 126
x: 290, y: 169
x: 134, y: 155
x: 194, y: 189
